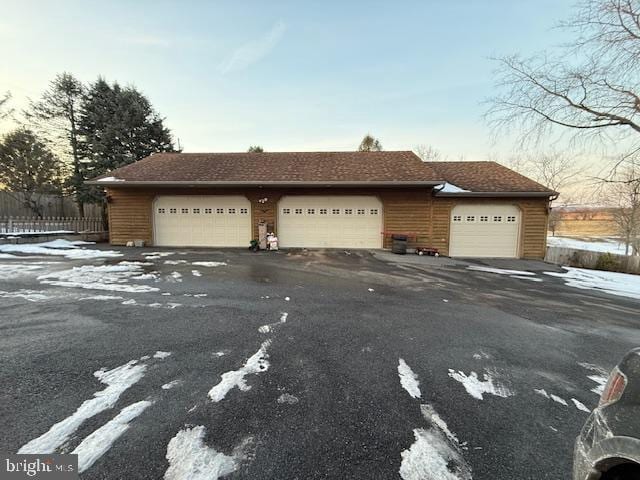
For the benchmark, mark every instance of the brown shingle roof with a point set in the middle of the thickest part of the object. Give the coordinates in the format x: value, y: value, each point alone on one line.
x: 485, y: 177
x: 318, y: 167
x: 272, y: 167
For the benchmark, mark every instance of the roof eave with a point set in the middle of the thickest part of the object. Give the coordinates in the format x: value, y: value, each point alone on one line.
x: 295, y: 183
x: 496, y: 194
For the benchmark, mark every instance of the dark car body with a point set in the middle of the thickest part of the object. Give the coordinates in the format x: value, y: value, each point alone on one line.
x: 608, y: 446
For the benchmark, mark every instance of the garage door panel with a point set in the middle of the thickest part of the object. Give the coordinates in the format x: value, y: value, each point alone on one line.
x: 330, y: 221
x: 484, y: 231
x: 202, y: 220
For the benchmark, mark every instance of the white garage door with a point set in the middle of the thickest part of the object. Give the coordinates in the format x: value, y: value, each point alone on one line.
x: 330, y: 222
x: 202, y: 221
x: 484, y: 231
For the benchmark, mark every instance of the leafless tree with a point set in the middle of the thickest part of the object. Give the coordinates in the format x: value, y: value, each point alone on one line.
x: 4, y: 111
x: 428, y: 153
x: 624, y: 194
x: 588, y: 90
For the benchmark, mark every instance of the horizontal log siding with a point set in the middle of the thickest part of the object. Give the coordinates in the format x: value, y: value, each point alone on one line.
x: 411, y: 211
x: 404, y: 211
x: 533, y: 233
x: 130, y: 216
x: 407, y: 212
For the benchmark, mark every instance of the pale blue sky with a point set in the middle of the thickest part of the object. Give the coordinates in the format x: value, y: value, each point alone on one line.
x: 287, y: 75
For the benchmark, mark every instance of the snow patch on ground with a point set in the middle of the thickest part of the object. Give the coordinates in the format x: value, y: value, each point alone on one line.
x: 196, y: 273
x: 432, y: 457
x: 190, y: 459
x: 29, y: 295
x: 288, y: 398
x: 558, y: 399
x: 600, y: 245
x: 174, y: 262
x: 614, y: 283
x: 408, y: 379
x: 209, y: 264
x: 171, y: 384
x: 268, y: 328
x: 160, y: 354
x: 157, y: 254
x: 429, y: 413
x: 13, y: 270
x: 499, y: 271
x: 117, y: 380
x: 102, y: 297
x: 98, y: 277
x: 101, y: 440
x: 580, y: 406
x: 257, y: 363
x: 7, y: 255
x: 61, y: 248
x: 477, y: 388
x: 531, y: 279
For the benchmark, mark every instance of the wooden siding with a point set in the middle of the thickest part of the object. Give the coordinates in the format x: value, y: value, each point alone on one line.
x: 408, y: 211
x: 533, y: 230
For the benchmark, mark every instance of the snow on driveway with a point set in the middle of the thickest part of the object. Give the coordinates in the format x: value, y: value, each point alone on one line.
x: 191, y: 459
x: 14, y: 270
x: 117, y: 380
x: 100, y: 441
x: 499, y: 271
x: 99, y: 277
x: 436, y: 452
x: 257, y: 363
x: 477, y: 388
x: 62, y: 248
x: 621, y: 284
x: 408, y: 379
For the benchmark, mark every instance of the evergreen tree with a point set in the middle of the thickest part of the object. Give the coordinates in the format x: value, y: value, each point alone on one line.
x: 55, y: 117
x: 118, y: 126
x: 255, y: 149
x: 370, y: 144
x: 28, y: 169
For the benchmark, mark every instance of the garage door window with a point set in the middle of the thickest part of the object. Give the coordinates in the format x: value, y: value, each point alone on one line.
x: 298, y: 211
x: 497, y: 219
x: 335, y: 211
x: 196, y: 210
x: 511, y: 219
x: 311, y: 211
x: 373, y: 211
x: 244, y: 211
x: 484, y: 218
x: 161, y: 210
x: 471, y: 218
x: 361, y: 211
x: 172, y: 210
x: 457, y: 218
x: 185, y: 210
x: 286, y: 211
x: 348, y: 211
x: 323, y: 211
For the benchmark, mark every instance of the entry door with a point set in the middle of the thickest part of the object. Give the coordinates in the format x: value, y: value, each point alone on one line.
x: 202, y: 221
x: 484, y: 231
x: 330, y: 221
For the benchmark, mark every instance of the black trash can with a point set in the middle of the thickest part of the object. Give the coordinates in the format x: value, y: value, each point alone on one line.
x: 399, y: 244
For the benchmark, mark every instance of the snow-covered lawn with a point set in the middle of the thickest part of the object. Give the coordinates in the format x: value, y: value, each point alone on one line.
x: 621, y: 284
x: 597, y: 245
x: 61, y: 248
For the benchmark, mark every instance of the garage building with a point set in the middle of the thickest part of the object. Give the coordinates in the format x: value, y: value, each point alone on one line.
x: 327, y: 200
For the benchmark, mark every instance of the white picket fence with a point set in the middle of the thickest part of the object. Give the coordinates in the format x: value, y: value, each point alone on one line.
x: 26, y: 225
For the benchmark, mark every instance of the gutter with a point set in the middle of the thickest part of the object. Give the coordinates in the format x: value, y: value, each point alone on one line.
x: 289, y: 183
x: 496, y: 194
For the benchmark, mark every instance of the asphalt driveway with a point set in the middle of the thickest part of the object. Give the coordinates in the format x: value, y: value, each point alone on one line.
x: 301, y: 365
